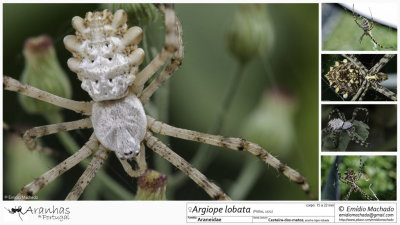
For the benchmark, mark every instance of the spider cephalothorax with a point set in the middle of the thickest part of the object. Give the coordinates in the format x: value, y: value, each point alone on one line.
x: 367, y: 27
x: 351, y: 178
x: 105, y: 53
x: 350, y: 77
x: 336, y: 126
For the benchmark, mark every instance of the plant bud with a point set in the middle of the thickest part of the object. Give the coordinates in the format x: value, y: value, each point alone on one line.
x: 271, y: 123
x: 152, y: 185
x: 18, y: 170
x: 138, y: 14
x: 43, y: 71
x: 251, y: 33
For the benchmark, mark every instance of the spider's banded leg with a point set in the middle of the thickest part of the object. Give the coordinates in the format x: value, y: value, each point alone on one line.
x: 95, y: 164
x: 39, y: 183
x: 386, y: 92
x: 339, y: 174
x: 140, y: 161
x: 364, y: 92
x: 348, y: 193
x: 170, y: 47
x: 17, y: 134
x: 167, y: 72
x: 365, y: 195
x: 237, y: 144
x: 14, y: 85
x: 340, y: 114
x: 360, y: 91
x: 334, y: 139
x: 355, y: 112
x: 355, y: 18
x: 382, y: 62
x: 360, y: 169
x: 361, y: 38
x: 160, y: 148
x: 32, y: 134
x: 373, y: 39
x: 356, y: 139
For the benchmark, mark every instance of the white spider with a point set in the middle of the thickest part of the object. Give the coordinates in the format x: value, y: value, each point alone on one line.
x: 106, y: 58
x: 336, y: 126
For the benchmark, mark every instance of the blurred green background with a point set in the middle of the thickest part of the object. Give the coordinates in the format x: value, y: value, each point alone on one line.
x: 345, y: 34
x: 380, y: 171
x: 193, y: 97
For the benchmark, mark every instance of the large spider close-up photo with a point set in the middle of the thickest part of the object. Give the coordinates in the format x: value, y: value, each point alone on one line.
x: 122, y: 78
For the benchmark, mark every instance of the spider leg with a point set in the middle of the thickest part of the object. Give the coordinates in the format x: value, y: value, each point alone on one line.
x: 365, y: 195
x: 364, y: 91
x: 39, y: 183
x: 355, y: 112
x: 167, y: 72
x: 356, y: 139
x: 348, y: 193
x: 171, y: 46
x: 24, y: 89
x: 355, y: 18
x: 160, y: 148
x: 362, y: 36
x: 31, y: 135
x: 360, y: 170
x: 341, y: 179
x: 382, y: 62
x: 340, y: 114
x: 95, y: 164
x: 386, y: 92
x: 335, y: 138
x: 372, y: 21
x: 360, y: 91
x: 237, y: 144
x: 140, y: 161
x: 373, y: 39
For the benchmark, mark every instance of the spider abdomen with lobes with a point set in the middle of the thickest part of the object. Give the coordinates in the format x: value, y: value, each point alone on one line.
x: 345, y: 78
x: 105, y: 53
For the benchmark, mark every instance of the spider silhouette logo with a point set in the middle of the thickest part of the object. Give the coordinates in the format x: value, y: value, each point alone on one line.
x: 16, y: 210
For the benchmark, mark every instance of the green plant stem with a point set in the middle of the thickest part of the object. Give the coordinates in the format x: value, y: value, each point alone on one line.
x: 161, y: 100
x: 146, y: 46
x: 203, y: 156
x: 246, y: 179
x: 71, y: 146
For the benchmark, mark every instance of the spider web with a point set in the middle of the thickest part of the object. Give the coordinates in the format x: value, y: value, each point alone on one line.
x: 368, y: 60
